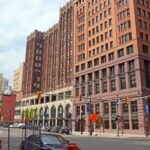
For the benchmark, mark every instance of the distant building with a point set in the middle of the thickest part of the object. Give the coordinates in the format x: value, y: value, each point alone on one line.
x: 17, y: 115
x: 17, y: 81
x: 8, y: 108
x: 3, y: 83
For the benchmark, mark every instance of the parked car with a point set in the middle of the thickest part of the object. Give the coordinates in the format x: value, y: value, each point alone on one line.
x: 46, y: 142
x: 55, y: 129
x: 49, y: 129
x: 64, y: 130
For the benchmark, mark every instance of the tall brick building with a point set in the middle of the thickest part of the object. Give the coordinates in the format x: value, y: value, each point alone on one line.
x: 98, y: 51
x: 48, y: 68
x: 33, y: 68
x: 112, y: 62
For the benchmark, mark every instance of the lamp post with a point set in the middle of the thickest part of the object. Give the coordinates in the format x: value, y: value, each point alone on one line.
x: 117, y: 118
x: 81, y: 121
x: 90, y: 112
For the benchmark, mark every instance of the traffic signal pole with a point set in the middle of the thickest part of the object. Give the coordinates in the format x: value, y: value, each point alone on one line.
x: 117, y: 119
x: 90, y: 131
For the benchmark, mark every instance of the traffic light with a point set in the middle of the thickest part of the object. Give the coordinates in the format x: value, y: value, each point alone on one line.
x: 80, y: 98
x: 39, y: 95
x: 127, y: 100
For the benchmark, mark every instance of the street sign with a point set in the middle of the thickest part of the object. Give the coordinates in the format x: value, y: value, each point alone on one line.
x: 93, y: 117
x: 87, y: 107
x: 147, y: 108
x: 26, y: 120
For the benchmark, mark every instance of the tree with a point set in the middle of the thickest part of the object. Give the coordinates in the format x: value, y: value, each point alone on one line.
x: 100, y: 121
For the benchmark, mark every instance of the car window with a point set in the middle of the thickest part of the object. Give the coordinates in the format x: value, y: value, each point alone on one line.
x: 51, y: 139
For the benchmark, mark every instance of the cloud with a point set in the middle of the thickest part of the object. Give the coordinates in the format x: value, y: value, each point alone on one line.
x: 18, y: 19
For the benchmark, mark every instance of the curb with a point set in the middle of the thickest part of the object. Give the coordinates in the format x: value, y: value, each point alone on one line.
x: 108, y: 135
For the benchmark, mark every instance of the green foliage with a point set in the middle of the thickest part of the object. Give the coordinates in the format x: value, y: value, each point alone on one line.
x: 100, y: 121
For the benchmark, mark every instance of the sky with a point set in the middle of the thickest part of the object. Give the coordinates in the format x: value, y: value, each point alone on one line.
x: 19, y: 18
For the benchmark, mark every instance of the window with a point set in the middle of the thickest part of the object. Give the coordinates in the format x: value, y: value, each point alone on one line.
x: 132, y: 75
x: 130, y: 49
x: 77, y: 68
x: 77, y: 86
x: 145, y: 49
x: 96, y: 61
x: 125, y: 38
x: 83, y: 85
x: 134, y: 106
x: 96, y: 78
x: 106, y: 124
x: 90, y: 83
x: 110, y: 33
x: 104, y: 81
x: 112, y: 79
x: 89, y: 64
x: 135, y: 124
x: 147, y: 73
x: 122, y: 76
x: 97, y: 110
x: 120, y: 53
x: 111, y: 56
x: 113, y: 107
x: 106, y: 108
x: 103, y: 59
x: 82, y: 66
x: 126, y: 124
x: 113, y: 124
x: 125, y: 108
x: 77, y: 110
x: 110, y: 22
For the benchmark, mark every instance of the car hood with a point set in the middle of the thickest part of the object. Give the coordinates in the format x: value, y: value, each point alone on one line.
x: 57, y: 146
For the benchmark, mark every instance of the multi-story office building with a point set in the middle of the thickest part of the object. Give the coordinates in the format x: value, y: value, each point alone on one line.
x: 17, y: 81
x: 48, y: 69
x: 3, y: 84
x: 112, y: 63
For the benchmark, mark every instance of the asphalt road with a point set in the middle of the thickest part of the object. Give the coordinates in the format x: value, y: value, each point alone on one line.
x: 84, y: 142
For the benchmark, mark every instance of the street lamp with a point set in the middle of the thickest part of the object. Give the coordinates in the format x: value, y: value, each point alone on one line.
x: 81, y: 121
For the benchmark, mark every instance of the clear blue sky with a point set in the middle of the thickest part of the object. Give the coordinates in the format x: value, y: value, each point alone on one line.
x: 18, y: 18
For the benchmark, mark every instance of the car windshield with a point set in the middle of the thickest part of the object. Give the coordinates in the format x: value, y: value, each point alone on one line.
x: 52, y: 139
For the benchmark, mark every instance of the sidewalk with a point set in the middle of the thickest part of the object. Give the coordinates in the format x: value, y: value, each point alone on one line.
x: 108, y: 135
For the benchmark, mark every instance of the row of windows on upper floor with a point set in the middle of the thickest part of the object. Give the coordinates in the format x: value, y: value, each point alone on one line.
x: 145, y: 3
x: 144, y: 37
x: 122, y: 27
x: 122, y: 39
x: 101, y: 27
x: 102, y: 3
x: 111, y: 57
x: 143, y: 13
x: 107, y: 12
x: 123, y: 14
x: 144, y: 24
x: 101, y: 6
x: 98, y: 19
x: 101, y: 48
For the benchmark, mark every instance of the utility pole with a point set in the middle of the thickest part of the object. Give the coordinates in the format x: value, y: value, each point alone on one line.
x: 81, y: 121
x: 90, y: 132
x: 117, y: 117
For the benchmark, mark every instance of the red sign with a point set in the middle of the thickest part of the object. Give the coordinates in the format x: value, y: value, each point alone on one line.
x: 26, y: 120
x: 93, y: 117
